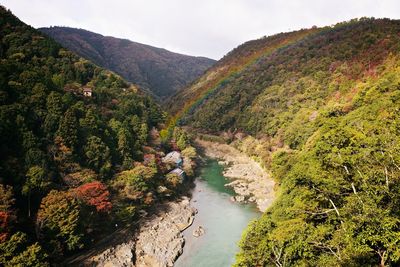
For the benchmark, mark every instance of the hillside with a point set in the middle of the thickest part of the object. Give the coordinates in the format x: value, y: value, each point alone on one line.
x: 74, y: 137
x: 158, y: 70
x: 320, y: 108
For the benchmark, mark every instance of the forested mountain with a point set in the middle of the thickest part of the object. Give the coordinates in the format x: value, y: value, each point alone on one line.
x: 73, y: 136
x: 158, y: 70
x: 321, y: 108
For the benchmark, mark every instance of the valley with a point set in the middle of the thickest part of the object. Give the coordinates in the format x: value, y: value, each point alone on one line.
x: 285, y: 152
x: 167, y: 232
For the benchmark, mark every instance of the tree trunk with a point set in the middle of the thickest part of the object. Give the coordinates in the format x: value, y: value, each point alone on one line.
x: 29, y: 204
x: 382, y: 256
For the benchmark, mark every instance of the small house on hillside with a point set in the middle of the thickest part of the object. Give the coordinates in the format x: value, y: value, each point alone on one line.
x: 87, y: 91
x: 179, y: 172
x: 173, y: 157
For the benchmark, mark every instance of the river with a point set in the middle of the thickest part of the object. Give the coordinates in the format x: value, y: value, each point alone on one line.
x: 222, y: 219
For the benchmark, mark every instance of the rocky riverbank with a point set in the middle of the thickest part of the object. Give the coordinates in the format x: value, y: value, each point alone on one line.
x: 249, y: 180
x: 158, y: 242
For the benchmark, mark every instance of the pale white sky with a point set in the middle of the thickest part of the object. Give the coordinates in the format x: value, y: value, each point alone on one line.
x: 196, y: 27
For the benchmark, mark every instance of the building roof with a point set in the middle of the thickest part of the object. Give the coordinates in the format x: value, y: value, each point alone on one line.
x: 178, y: 171
x: 174, y: 157
x: 87, y: 89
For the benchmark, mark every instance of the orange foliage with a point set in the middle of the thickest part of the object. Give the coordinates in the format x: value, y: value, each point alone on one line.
x: 337, y: 95
x: 95, y: 194
x: 4, y: 222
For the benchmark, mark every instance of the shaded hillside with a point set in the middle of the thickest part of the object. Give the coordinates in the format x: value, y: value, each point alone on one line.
x: 158, y: 70
x: 321, y: 108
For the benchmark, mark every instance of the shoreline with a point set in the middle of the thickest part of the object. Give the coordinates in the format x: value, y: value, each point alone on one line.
x: 249, y: 180
x: 158, y: 242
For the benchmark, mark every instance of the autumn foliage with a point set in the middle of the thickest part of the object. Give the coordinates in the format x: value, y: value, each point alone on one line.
x: 4, y: 221
x: 58, y: 221
x: 7, y: 214
x: 95, y: 194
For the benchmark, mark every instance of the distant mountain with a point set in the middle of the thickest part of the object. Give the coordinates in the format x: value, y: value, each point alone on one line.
x: 160, y: 71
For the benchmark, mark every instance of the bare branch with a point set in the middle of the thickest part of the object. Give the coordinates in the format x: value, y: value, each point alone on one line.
x: 334, y: 206
x: 277, y: 255
x: 323, y: 246
x: 387, y: 177
x: 347, y: 170
x: 354, y: 189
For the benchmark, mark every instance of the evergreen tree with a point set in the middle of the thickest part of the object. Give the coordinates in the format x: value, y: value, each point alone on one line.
x: 68, y: 130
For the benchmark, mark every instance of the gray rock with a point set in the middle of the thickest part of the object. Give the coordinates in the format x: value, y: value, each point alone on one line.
x: 199, y: 231
x: 158, y: 242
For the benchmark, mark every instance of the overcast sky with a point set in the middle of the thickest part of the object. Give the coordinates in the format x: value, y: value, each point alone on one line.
x: 196, y: 27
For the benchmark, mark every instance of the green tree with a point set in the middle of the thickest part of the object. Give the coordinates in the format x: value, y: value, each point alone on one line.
x: 189, y: 152
x: 90, y: 123
x: 54, y: 108
x: 68, y: 130
x: 16, y: 252
x: 135, y: 182
x: 98, y: 155
x: 125, y: 147
x: 143, y: 133
x: 33, y: 256
x: 36, y: 181
x: 182, y: 142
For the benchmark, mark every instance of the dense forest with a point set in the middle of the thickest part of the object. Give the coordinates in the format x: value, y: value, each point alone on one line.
x: 320, y: 108
x: 161, y: 72
x: 79, y: 149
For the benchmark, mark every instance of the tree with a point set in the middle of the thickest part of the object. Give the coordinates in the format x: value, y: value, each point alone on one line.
x: 33, y: 256
x: 95, y: 194
x: 135, y: 182
x: 7, y: 199
x: 173, y: 179
x: 54, y: 108
x: 182, y: 142
x: 16, y: 252
x: 189, y: 152
x: 35, y: 156
x: 7, y: 212
x: 90, y: 122
x: 68, y: 130
x: 63, y: 156
x: 144, y: 131
x: 36, y: 180
x: 38, y: 100
x: 98, y: 155
x: 125, y: 147
x: 58, y: 220
x: 181, y: 137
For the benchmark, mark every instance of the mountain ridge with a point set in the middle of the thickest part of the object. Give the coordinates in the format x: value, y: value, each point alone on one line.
x: 158, y: 70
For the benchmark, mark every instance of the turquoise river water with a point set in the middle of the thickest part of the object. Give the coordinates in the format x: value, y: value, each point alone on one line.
x: 222, y: 219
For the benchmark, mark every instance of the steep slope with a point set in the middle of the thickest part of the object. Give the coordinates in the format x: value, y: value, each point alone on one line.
x: 322, y: 106
x: 184, y: 103
x: 60, y: 150
x: 158, y: 70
